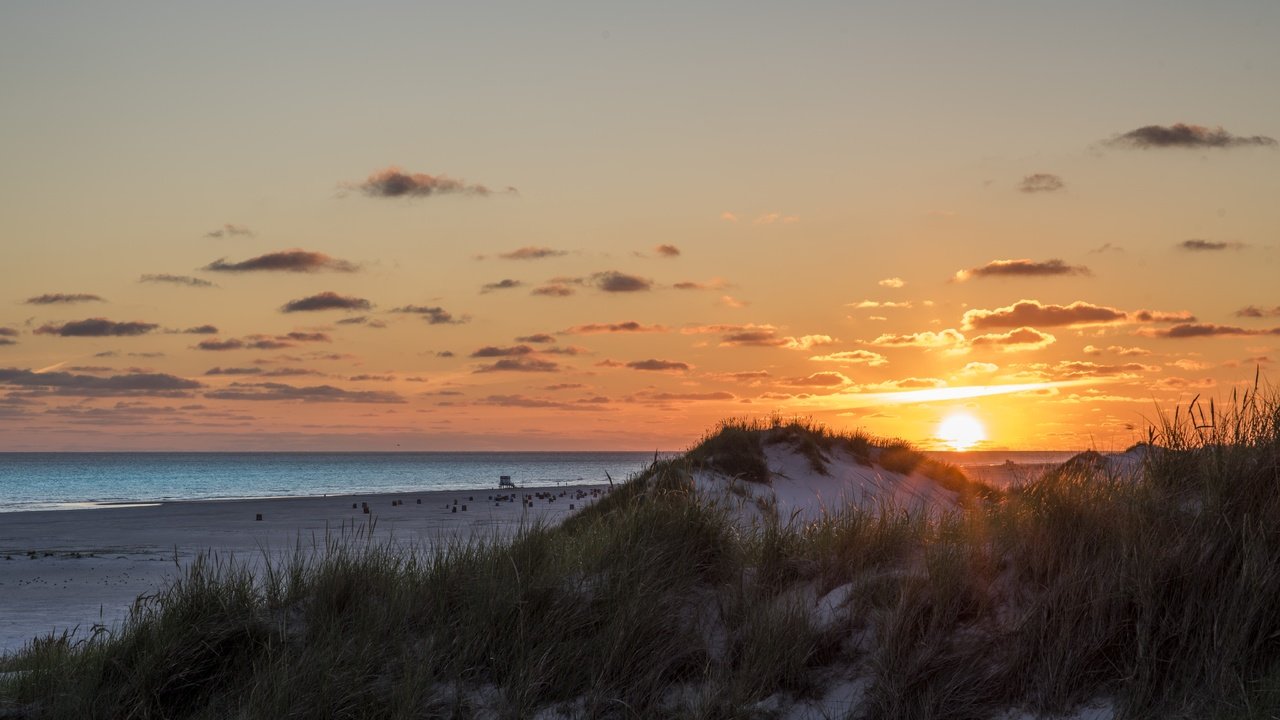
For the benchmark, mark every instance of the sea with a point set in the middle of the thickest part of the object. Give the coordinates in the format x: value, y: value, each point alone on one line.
x: 52, y: 481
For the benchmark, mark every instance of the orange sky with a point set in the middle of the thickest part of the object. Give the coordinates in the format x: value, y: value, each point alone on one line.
x: 225, y: 228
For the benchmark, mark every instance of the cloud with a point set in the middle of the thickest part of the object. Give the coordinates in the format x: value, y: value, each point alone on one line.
x: 818, y: 379
x: 667, y: 396
x: 728, y: 217
x: 713, y: 284
x: 262, y: 342
x: 979, y: 368
x: 1200, y: 330
x: 665, y: 250
x: 201, y: 330
x: 97, y: 327
x: 303, y: 337
x: 553, y: 290
x: 1197, y: 244
x: 730, y: 301
x: 392, y: 182
x: 1079, y: 369
x: 62, y: 299
x: 176, y: 280
x: 1253, y: 311
x: 220, y: 345
x: 519, y: 364
x: 7, y: 341
x: 362, y: 320
x: 773, y: 217
x: 8, y: 332
x: 327, y: 300
x: 911, y: 383
x: 1106, y: 248
x: 570, y: 350
x: 1180, y: 135
x: 536, y: 338
x: 616, y: 282
x: 629, y: 326
x: 434, y: 315
x: 229, y: 230
x: 853, y: 357
x: 759, y: 336
x: 1024, y: 338
x: 1041, y: 182
x: 63, y: 383
x: 490, y: 351
x: 532, y: 252
x: 270, y: 391
x: 659, y: 365
x: 876, y: 304
x: 926, y: 339
x: 284, y: 261
x: 893, y: 282
x: 1032, y: 312
x: 523, y: 401
x: 1022, y: 268
x: 1120, y: 350
x: 505, y: 284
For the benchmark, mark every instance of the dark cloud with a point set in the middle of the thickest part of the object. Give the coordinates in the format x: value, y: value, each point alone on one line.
x: 1180, y: 135
x: 1199, y: 330
x: 305, y: 337
x: 553, y: 290
x: 62, y: 299
x: 491, y: 351
x: 176, y: 280
x: 362, y: 320
x: 433, y: 315
x: 615, y: 282
x: 234, y: 371
x: 372, y: 378
x: 667, y: 396
x: 1251, y: 311
x: 229, y: 230
x: 665, y: 250
x: 532, y: 253
x: 327, y: 300
x: 284, y: 261
x: 505, y: 284
x: 314, y: 393
x: 1022, y: 268
x: 1034, y: 313
x: 523, y: 401
x: 392, y: 182
x: 569, y: 350
x: 219, y: 345
x: 658, y: 365
x: 7, y: 341
x: 10, y: 332
x: 537, y: 338
x: 1106, y: 248
x: 201, y: 330
x: 519, y: 364
x: 564, y: 386
x: 97, y: 327
x: 630, y: 326
x: 761, y: 336
x: 445, y: 354
x: 1197, y: 244
x: 63, y: 383
x: 1041, y: 182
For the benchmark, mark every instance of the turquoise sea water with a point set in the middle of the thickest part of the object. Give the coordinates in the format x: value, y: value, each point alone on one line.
x: 39, y: 481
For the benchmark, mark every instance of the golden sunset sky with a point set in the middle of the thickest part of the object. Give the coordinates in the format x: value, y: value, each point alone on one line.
x: 470, y: 226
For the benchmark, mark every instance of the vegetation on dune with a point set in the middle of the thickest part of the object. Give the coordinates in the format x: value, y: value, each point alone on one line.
x: 1155, y: 590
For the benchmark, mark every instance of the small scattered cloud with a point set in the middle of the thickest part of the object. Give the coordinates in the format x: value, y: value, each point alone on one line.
x: 927, y: 339
x: 774, y: 217
x: 301, y: 261
x: 393, y: 182
x: 201, y: 330
x: 730, y: 301
x: 505, y: 284
x: 979, y: 368
x: 713, y: 284
x: 759, y: 336
x: 97, y: 327
x: 659, y: 365
x: 877, y: 304
x: 853, y: 357
x: 1106, y: 248
x: 1035, y: 313
x: 1120, y: 350
x: 553, y: 290
x: 1253, y: 311
x: 64, y: 383
x: 728, y: 217
x: 665, y: 250
x: 230, y: 230
x: 524, y: 401
x: 362, y: 320
x: 270, y: 391
x: 1021, y: 339
x: 682, y: 397
x: 519, y: 364
x: 1200, y: 245
x: 613, y: 281
x: 893, y: 282
x: 1201, y: 330
x: 536, y: 338
x: 1180, y: 135
x: 491, y: 351
x: 532, y: 252
x: 327, y: 300
x: 433, y: 315
x: 629, y: 326
x: 63, y: 299
x: 176, y: 280
x: 1041, y: 183
x: 818, y: 379
x: 8, y: 332
x: 1021, y: 268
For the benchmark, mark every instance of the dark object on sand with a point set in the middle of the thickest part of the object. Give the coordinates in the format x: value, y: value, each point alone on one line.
x: 259, y: 517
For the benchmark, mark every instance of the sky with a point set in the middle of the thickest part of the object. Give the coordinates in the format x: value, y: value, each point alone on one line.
x: 553, y: 226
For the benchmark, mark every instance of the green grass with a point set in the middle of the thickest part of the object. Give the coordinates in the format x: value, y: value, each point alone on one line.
x: 1157, y: 590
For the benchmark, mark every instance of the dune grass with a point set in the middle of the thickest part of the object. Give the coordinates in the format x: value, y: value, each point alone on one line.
x: 1155, y: 590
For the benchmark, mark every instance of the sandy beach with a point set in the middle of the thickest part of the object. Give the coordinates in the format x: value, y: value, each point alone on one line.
x: 60, y: 569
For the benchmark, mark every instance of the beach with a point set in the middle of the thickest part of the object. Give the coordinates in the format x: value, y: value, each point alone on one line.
x: 60, y: 569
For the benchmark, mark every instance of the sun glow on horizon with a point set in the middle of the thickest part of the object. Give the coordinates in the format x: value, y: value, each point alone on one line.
x: 961, y: 431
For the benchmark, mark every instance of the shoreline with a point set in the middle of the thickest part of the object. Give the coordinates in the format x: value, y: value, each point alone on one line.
x: 63, y: 568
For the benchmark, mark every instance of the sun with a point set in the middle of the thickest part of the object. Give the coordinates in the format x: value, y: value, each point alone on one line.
x: 961, y: 431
